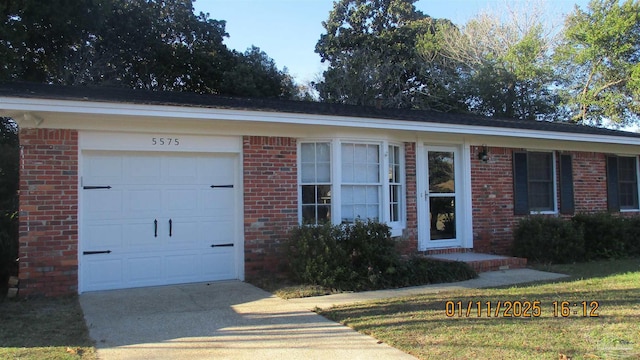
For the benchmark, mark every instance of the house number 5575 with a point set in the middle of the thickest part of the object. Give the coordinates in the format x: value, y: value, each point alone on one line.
x: 162, y: 141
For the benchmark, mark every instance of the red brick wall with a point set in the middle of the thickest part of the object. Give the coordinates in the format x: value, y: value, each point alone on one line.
x: 48, y: 244
x: 590, y: 181
x: 492, y: 194
x: 410, y: 234
x: 492, y: 200
x: 270, y: 201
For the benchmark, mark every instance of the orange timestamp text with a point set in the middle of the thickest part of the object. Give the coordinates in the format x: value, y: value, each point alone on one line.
x: 520, y: 309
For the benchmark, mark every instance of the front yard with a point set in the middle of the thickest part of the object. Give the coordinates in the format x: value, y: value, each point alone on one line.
x: 593, y: 315
x: 541, y: 326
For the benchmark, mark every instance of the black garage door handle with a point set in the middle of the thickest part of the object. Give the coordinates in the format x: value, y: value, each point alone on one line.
x: 170, y: 227
x: 155, y: 228
x: 222, y: 245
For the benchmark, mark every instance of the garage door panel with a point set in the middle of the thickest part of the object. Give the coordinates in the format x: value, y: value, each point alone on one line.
x: 220, y: 170
x: 181, y: 170
x: 103, y: 204
x: 104, y: 271
x: 162, y: 187
x: 103, y: 237
x: 183, y: 267
x: 140, y: 235
x: 218, y: 200
x: 144, y: 269
x: 178, y: 200
x: 184, y: 234
x: 143, y: 169
x: 149, y: 201
x: 218, y: 264
x: 218, y: 232
x: 103, y: 170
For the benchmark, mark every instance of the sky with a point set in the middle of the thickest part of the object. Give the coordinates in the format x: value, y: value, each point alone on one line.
x: 288, y: 30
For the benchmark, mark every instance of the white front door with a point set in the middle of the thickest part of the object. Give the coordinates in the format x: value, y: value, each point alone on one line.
x: 442, y: 197
x: 157, y: 219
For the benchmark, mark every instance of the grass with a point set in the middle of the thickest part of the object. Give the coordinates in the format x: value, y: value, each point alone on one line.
x: 44, y: 328
x: 420, y: 326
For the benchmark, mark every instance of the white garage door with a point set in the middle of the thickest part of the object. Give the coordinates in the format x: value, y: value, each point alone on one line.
x: 152, y: 219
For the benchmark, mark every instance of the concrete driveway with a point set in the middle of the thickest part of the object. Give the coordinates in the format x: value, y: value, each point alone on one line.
x: 221, y: 320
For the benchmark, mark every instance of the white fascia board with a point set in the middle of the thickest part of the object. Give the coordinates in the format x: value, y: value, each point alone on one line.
x: 10, y: 105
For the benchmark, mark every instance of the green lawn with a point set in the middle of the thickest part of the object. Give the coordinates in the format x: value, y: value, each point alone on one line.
x: 419, y: 325
x: 44, y: 328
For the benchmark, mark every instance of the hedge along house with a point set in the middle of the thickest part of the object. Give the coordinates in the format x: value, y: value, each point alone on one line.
x: 127, y: 188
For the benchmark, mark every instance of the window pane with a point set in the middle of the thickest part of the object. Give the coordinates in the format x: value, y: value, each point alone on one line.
x: 309, y: 214
x: 308, y: 152
x: 323, y: 153
x: 627, y: 169
x: 308, y: 173
x: 442, y: 216
x: 441, y: 172
x: 540, y: 196
x: 360, y: 154
x: 628, y: 195
x: 540, y: 167
x: 540, y: 173
x: 323, y: 172
x: 309, y: 194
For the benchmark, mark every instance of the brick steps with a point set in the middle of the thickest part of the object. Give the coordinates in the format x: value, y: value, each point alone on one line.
x: 481, y: 262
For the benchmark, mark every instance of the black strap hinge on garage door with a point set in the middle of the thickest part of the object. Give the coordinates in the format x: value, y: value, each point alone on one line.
x: 96, y: 252
x: 222, y: 245
x: 222, y: 186
x: 96, y: 187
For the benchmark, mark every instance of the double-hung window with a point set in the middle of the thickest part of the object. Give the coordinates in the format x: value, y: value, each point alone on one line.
x: 343, y: 181
x: 315, y: 182
x: 360, y: 183
x: 622, y: 183
x: 534, y: 182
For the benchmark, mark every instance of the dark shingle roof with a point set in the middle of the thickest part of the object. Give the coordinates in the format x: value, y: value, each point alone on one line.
x: 124, y: 95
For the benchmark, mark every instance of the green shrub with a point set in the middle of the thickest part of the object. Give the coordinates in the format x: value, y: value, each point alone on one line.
x: 315, y: 256
x: 419, y: 270
x: 549, y: 239
x: 632, y: 236
x: 605, y: 235
x: 361, y: 256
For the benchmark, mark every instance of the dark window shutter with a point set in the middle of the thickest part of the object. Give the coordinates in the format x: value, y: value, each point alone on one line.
x: 567, y: 205
x: 520, y: 184
x: 613, y: 194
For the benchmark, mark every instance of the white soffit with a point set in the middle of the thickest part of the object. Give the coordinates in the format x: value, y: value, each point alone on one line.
x: 15, y: 107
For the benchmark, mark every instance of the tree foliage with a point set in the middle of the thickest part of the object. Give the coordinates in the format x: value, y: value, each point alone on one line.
x: 600, y: 59
x: 503, y: 63
x: 371, y: 49
x: 144, y: 44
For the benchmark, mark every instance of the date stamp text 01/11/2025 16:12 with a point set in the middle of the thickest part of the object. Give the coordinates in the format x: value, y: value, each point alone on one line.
x: 506, y: 309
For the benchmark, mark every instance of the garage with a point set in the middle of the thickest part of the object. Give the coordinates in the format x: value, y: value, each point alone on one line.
x: 157, y: 218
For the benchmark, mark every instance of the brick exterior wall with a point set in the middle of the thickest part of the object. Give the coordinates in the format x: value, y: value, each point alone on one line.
x: 409, y: 239
x: 492, y: 194
x: 590, y: 182
x: 270, y: 202
x: 48, y: 243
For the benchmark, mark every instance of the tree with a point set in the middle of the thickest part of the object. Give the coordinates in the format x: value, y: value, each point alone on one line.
x: 143, y: 44
x: 371, y: 49
x: 600, y: 58
x: 255, y: 74
x: 503, y: 63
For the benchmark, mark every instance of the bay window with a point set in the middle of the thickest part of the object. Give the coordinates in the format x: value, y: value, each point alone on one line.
x: 343, y: 181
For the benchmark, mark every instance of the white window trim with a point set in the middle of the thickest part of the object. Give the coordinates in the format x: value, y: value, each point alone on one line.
x: 397, y: 227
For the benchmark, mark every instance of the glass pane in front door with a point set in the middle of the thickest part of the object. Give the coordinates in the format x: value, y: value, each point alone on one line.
x: 442, y: 195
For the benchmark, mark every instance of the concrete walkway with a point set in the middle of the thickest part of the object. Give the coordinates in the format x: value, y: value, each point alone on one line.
x: 235, y: 320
